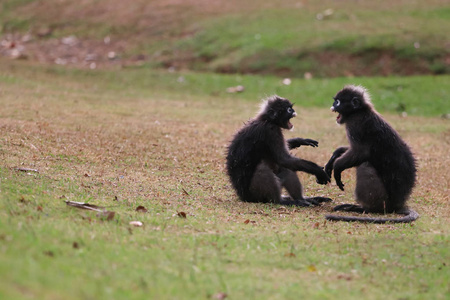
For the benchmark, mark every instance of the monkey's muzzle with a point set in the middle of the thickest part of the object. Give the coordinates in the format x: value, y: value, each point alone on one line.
x: 339, y: 116
x: 289, y: 124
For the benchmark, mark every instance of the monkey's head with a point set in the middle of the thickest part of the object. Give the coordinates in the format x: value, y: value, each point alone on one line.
x: 350, y: 100
x: 278, y: 111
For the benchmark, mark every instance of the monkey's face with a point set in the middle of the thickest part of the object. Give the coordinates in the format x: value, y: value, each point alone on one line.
x: 278, y: 111
x: 334, y: 108
x: 290, y: 113
x: 282, y: 113
x: 346, y: 102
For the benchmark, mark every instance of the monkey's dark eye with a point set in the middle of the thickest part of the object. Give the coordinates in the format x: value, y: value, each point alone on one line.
x: 337, y: 102
x: 290, y: 110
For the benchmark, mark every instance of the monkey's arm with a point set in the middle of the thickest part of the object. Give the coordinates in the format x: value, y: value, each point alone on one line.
x: 297, y: 142
x: 297, y: 164
x: 351, y: 158
x: 336, y: 154
x: 280, y: 156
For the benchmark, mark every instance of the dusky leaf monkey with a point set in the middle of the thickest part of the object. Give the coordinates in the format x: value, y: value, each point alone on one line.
x: 259, y: 163
x: 385, y: 166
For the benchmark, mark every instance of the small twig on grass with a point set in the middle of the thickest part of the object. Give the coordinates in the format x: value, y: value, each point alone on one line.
x: 184, y: 191
x: 26, y: 170
x: 84, y: 205
x: 109, y: 215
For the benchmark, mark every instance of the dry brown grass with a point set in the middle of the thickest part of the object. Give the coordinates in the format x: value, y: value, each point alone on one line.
x: 129, y: 146
x: 113, y: 145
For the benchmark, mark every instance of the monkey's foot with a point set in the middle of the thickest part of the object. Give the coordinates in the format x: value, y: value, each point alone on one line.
x: 320, y: 199
x: 349, y: 207
x: 307, y: 202
x: 317, y: 200
x: 285, y: 200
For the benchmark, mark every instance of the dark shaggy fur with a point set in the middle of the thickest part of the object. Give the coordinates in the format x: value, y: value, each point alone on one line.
x: 386, y: 169
x: 259, y: 163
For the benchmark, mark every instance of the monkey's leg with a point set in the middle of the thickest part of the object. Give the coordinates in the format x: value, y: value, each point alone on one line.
x: 370, y: 192
x: 265, y: 186
x: 293, y: 186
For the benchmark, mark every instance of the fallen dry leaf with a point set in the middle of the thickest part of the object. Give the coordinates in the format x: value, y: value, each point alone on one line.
x: 142, y: 209
x: 220, y: 296
x: 108, y: 215
x: 312, y: 268
x: 235, y: 89
x: 345, y: 277
x: 136, y: 223
x: 181, y: 214
x: 49, y: 253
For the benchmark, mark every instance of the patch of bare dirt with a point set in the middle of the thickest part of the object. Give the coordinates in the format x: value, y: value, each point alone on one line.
x: 114, y: 52
x: 70, y: 51
x: 78, y: 42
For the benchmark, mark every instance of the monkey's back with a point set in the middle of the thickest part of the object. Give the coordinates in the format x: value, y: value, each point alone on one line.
x: 245, y: 152
x: 391, y: 157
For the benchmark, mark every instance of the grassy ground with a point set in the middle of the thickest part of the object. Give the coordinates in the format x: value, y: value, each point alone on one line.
x: 155, y: 139
x: 289, y: 38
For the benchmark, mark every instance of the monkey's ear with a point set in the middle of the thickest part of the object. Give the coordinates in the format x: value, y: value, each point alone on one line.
x: 272, y: 114
x: 356, y: 103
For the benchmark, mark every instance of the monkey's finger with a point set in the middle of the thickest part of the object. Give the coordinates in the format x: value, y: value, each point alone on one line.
x: 314, y: 202
x: 320, y: 199
x: 303, y: 203
x: 329, y: 168
x: 312, y: 143
x: 327, y: 177
x: 322, y: 181
x: 325, y: 199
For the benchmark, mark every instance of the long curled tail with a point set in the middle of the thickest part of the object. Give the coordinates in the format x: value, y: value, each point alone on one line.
x: 410, y: 216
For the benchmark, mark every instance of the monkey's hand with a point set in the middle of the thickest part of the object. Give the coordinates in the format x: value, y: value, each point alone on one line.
x: 322, y: 177
x: 329, y: 167
x: 297, y: 142
x: 337, y: 178
x: 310, y: 142
x: 336, y: 154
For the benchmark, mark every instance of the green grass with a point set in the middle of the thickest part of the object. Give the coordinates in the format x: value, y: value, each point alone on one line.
x: 120, y: 139
x: 290, y: 40
x: 416, y: 95
x: 364, y: 38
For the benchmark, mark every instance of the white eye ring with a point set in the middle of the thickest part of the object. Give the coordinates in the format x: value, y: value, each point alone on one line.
x: 289, y: 110
x: 338, y: 102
